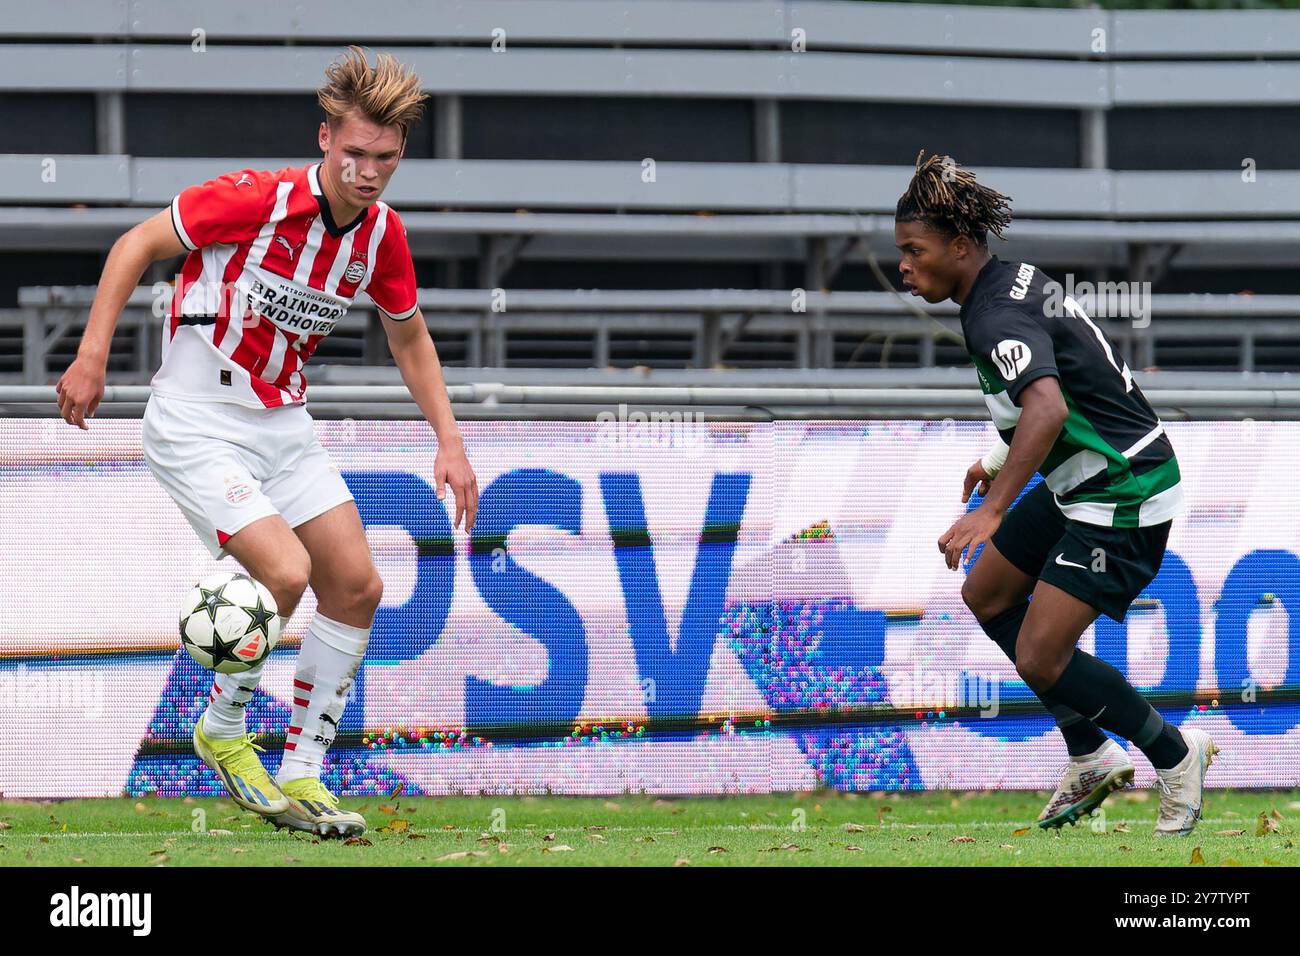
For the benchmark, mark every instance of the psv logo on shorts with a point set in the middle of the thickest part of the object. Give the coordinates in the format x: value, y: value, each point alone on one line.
x: 1012, y: 357
x: 237, y: 490
x: 355, y: 271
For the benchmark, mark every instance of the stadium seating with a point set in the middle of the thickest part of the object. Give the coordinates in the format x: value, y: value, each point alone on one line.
x: 750, y: 146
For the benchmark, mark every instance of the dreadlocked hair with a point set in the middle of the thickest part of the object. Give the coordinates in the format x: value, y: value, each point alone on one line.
x: 947, y: 198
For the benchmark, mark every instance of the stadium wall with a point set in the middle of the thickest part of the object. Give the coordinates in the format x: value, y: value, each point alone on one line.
x: 691, y: 606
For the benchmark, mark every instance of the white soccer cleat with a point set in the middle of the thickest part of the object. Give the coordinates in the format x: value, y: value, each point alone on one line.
x: 1087, y: 782
x: 1180, y: 787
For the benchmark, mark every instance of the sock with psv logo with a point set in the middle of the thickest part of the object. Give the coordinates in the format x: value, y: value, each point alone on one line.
x: 229, y: 697
x: 327, y: 667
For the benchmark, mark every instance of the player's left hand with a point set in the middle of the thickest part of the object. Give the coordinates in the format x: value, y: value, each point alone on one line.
x: 451, y: 467
x: 969, y: 531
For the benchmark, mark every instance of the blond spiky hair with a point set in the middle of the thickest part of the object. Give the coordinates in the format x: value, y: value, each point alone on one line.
x: 387, y: 93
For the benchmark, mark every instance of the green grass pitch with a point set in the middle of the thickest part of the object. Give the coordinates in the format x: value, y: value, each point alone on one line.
x: 809, y: 829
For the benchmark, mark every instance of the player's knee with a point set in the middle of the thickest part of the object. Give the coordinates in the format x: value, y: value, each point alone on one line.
x: 980, y: 602
x: 1037, y: 670
x: 371, y: 593
x: 288, y: 580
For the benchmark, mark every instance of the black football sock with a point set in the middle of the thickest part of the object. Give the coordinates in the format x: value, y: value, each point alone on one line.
x: 1094, y: 688
x: 1081, y: 735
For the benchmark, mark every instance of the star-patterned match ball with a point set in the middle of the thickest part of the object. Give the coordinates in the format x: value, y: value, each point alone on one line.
x: 229, y: 622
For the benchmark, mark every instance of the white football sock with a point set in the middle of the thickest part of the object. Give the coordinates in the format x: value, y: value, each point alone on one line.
x: 327, y: 667
x: 229, y: 696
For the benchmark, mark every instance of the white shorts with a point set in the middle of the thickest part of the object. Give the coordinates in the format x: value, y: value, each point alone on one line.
x: 227, y: 465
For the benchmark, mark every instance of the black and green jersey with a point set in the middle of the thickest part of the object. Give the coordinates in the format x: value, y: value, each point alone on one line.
x: 1112, y: 463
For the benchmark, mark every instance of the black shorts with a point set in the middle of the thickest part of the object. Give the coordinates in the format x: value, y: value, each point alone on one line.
x: 1106, y: 568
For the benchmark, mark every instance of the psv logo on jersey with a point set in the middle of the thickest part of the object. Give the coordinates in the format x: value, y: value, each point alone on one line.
x: 1012, y: 357
x: 355, y: 271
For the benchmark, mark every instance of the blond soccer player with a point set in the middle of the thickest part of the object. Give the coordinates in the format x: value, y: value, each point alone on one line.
x: 274, y: 260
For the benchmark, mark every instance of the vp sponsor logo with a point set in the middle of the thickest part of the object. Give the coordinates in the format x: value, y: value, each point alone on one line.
x: 74, y: 909
x: 1012, y: 357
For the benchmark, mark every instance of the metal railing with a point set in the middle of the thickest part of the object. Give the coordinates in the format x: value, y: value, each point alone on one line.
x: 1265, y: 398
x: 691, y: 328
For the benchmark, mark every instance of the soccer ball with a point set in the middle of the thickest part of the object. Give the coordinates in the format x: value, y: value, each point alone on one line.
x: 229, y: 622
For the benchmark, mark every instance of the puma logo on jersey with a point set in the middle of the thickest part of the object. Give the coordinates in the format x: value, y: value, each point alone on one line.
x: 1012, y: 357
x: 1023, y: 277
x: 244, y: 180
x: 291, y: 249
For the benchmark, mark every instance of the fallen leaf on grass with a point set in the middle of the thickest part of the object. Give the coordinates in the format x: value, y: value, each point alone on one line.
x: 558, y: 848
x: 1020, y: 832
x: 1229, y: 832
x: 881, y: 811
x: 962, y: 839
x: 357, y: 841
x: 1265, y: 825
x: 648, y: 839
x: 611, y: 805
x: 717, y: 849
x: 681, y: 861
x: 78, y: 859
x: 1122, y: 828
x: 140, y: 808
x: 852, y: 848
x: 396, y: 826
x: 1198, y: 858
x: 854, y: 828
x: 462, y: 855
x: 221, y: 833
x: 6, y: 825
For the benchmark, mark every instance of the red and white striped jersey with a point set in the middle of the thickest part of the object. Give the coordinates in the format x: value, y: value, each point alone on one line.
x: 268, y: 276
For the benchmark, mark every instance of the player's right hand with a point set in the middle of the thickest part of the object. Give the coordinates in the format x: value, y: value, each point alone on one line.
x: 80, y: 391
x: 976, y: 475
